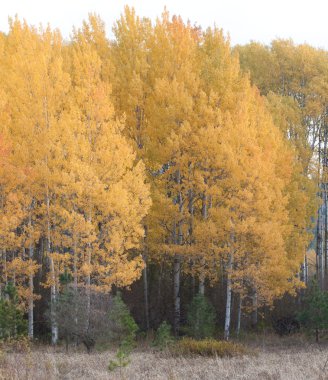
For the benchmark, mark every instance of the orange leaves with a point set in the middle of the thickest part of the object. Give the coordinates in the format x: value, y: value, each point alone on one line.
x: 80, y: 194
x: 87, y: 121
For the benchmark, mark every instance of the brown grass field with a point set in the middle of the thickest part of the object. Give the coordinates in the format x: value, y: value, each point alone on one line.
x: 272, y: 358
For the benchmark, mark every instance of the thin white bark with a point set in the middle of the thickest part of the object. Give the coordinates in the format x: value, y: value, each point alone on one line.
x: 176, y: 269
x: 177, y: 265
x: 240, y: 300
x: 145, y: 283
x: 31, y: 287
x: 88, y: 279
x: 228, y: 301
x: 53, y: 292
x: 254, y: 311
x: 202, y: 260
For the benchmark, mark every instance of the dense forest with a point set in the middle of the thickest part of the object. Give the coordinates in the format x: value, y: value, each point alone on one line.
x: 164, y: 165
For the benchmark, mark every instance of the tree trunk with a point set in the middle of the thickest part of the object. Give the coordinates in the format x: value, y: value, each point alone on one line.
x: 319, y: 222
x: 88, y: 279
x: 254, y: 311
x: 30, y: 300
x: 54, y: 327
x: 306, y: 269
x: 177, y: 264
x: 145, y: 283
x: 202, y: 260
x: 325, y: 221
x: 239, y: 314
x: 228, y: 302
x: 53, y: 295
x: 201, y: 286
x: 176, y: 285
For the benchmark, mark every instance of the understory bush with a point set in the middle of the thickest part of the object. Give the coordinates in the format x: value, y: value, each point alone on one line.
x: 208, y: 347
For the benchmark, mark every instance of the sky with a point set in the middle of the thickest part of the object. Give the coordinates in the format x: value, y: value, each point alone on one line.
x: 244, y: 20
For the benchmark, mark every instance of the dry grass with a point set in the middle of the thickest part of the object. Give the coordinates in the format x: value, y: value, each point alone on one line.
x: 276, y: 359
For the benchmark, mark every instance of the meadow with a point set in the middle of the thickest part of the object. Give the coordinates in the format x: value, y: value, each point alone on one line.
x: 270, y: 358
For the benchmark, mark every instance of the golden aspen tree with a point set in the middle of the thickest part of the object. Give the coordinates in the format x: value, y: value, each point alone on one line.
x: 36, y: 86
x: 222, y: 161
x: 129, y: 55
x: 114, y: 197
x: 84, y: 190
x: 151, y: 84
x: 173, y: 47
x: 296, y: 94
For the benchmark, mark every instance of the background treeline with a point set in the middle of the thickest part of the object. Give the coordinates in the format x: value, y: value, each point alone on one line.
x: 163, y: 160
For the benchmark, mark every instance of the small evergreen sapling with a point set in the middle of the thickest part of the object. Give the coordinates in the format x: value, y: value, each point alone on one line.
x: 163, y: 337
x: 315, y: 313
x: 12, y: 322
x: 122, y: 331
x: 200, y: 318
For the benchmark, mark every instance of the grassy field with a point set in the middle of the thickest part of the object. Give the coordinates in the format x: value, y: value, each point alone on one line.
x: 277, y: 359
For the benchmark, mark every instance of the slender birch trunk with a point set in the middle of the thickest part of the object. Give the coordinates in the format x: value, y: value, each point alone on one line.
x: 176, y: 287
x: 325, y: 220
x: 4, y: 252
x: 53, y: 293
x: 145, y: 283
x: 145, y: 280
x: 319, y: 236
x: 254, y: 315
x: 176, y: 269
x: 177, y: 265
x: 54, y: 327
x: 4, y: 255
x: 159, y: 288
x: 202, y: 260
x: 75, y: 276
x: 31, y: 287
x: 228, y: 302
x: 306, y: 268
x: 74, y: 263
x: 240, y: 301
x: 88, y: 279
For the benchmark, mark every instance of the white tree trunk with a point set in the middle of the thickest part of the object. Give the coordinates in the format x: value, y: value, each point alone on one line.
x: 239, y: 315
x: 54, y: 327
x: 145, y: 283
x: 53, y: 293
x: 202, y: 260
x: 228, y: 302
x: 177, y: 269
x: 30, y: 300
x: 88, y: 279
x: 31, y: 288
x: 306, y: 269
x: 177, y: 265
x: 254, y: 311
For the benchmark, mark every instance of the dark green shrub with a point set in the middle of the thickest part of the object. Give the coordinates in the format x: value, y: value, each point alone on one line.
x: 200, y: 318
x: 12, y: 322
x: 314, y: 315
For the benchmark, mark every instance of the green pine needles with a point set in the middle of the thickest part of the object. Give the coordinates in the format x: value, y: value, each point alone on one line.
x: 122, y: 331
x: 12, y: 322
x: 201, y: 318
